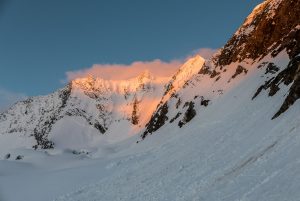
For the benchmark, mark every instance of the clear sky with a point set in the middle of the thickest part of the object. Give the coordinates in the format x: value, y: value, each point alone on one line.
x: 41, y: 40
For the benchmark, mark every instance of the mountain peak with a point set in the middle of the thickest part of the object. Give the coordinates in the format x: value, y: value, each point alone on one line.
x: 146, y: 73
x: 196, y: 58
x: 269, y: 29
x: 85, y: 83
x: 145, y: 76
x: 190, y: 67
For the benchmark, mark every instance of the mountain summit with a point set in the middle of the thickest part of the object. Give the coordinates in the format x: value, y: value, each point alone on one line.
x: 273, y: 26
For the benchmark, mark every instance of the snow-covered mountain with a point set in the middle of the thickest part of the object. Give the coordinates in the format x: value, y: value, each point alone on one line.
x: 266, y: 45
x: 86, y: 108
x: 226, y: 128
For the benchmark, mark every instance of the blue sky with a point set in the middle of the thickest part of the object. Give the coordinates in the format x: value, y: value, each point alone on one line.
x: 41, y: 40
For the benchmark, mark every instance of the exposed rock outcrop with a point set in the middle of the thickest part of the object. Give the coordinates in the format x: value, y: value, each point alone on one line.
x: 157, y: 120
x: 289, y: 75
x: 270, y: 28
x: 188, y: 115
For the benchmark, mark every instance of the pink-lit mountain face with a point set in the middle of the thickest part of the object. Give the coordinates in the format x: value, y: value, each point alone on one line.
x: 265, y: 49
x: 97, y: 105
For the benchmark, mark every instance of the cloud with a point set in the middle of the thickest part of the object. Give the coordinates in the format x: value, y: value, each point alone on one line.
x: 206, y: 53
x: 7, y: 98
x: 122, y: 71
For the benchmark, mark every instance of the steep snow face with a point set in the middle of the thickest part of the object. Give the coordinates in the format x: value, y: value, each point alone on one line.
x: 185, y: 73
x: 178, y: 82
x: 85, y: 109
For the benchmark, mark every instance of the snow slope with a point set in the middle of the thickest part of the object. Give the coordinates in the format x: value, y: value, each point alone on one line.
x: 219, y: 157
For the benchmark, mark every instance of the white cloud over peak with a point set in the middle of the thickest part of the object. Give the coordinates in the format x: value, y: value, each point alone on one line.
x: 126, y: 71
x: 123, y: 71
x: 206, y: 53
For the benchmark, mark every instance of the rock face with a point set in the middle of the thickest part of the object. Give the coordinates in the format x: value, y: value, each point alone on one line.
x: 157, y: 120
x: 269, y: 29
x: 134, y: 116
x: 272, y: 28
x: 188, y: 115
x: 289, y: 75
x: 45, y: 123
x: 277, y: 29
